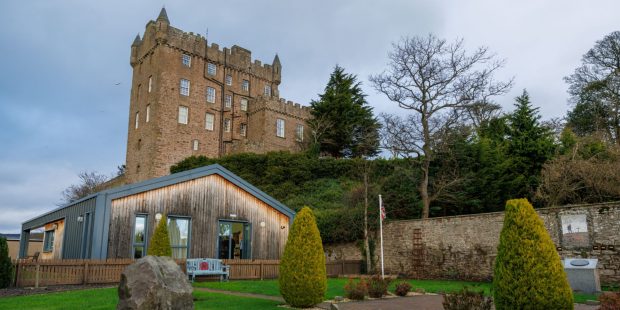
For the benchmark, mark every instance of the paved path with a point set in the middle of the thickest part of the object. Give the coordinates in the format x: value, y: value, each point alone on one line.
x: 240, y: 294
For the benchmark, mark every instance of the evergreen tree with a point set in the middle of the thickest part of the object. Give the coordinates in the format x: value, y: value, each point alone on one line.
x: 160, y: 241
x: 351, y: 129
x: 303, y: 278
x: 528, y: 273
x: 529, y: 146
x: 6, y: 266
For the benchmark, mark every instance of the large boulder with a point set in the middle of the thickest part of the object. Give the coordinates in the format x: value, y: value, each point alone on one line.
x: 154, y: 282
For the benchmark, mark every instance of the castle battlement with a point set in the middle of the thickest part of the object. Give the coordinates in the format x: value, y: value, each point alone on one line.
x: 281, y: 105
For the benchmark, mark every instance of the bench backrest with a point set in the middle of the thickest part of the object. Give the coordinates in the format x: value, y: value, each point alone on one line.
x: 204, y: 264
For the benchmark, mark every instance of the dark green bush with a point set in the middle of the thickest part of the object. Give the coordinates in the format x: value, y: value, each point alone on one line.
x: 356, y: 290
x: 402, y: 288
x: 528, y: 271
x: 377, y: 287
x: 160, y: 241
x: 466, y: 299
x: 303, y: 278
x: 6, y: 266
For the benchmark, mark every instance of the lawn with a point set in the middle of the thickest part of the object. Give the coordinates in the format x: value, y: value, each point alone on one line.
x: 106, y: 298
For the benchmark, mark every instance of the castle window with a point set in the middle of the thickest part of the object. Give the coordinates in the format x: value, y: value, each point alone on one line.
x: 187, y: 60
x: 211, y: 69
x: 195, y: 145
x: 210, y: 94
x: 137, y: 119
x: 209, y: 121
x: 267, y: 90
x: 228, y: 79
x: 138, y: 92
x: 280, y: 128
x: 243, y: 129
x: 150, y: 83
x: 228, y: 101
x: 227, y: 125
x: 244, y: 104
x: 148, y: 113
x: 183, y: 115
x: 299, y: 133
x: 245, y: 85
x: 184, y: 87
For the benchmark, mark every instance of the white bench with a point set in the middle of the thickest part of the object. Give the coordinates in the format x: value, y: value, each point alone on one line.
x: 207, y: 267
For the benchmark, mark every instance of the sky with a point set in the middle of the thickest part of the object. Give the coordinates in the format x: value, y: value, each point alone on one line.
x: 65, y: 76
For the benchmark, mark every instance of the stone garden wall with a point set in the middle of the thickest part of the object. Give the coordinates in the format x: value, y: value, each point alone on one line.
x: 464, y: 247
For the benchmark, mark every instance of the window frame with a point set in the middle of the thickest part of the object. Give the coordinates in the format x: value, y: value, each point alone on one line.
x: 186, y: 60
x: 144, y: 244
x: 207, y: 121
x: 150, y: 83
x: 227, y: 125
x: 278, y: 122
x: 228, y: 101
x: 211, y: 69
x: 184, y: 91
x: 189, y: 234
x: 228, y: 79
x: 195, y: 145
x: 186, y: 109
x: 211, y: 94
x: 48, y: 241
x: 243, y: 129
x: 245, y: 85
x: 267, y: 90
x: 299, y: 134
x: 148, y: 113
x: 244, y: 104
x: 137, y: 120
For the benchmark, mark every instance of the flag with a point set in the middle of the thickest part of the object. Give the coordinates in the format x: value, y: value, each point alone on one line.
x: 382, y: 212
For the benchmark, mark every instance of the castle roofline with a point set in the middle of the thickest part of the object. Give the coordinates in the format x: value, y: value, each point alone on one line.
x: 163, y: 15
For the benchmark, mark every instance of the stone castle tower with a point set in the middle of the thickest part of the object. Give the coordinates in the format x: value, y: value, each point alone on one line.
x: 189, y: 98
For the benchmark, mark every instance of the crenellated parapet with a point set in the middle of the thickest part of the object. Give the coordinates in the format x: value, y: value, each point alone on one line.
x: 282, y: 106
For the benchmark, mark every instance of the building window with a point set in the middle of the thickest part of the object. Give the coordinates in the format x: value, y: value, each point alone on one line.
x: 183, y: 115
x: 179, y: 232
x: 243, y: 129
x: 195, y: 145
x: 48, y: 241
x: 209, y: 121
x: 184, y: 87
x: 187, y: 60
x: 138, y: 92
x: 227, y: 125
x: 211, y: 69
x: 137, y: 119
x: 228, y: 79
x: 280, y: 128
x: 244, y: 104
x: 267, y: 90
x: 150, y: 83
x: 245, y: 85
x: 299, y: 133
x: 210, y: 94
x: 139, y: 236
x: 228, y: 101
x: 148, y: 113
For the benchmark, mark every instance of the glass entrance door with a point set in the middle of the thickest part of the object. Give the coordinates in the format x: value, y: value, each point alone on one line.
x: 234, y: 240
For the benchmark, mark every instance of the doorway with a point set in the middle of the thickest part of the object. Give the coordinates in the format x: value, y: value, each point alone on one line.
x: 234, y: 240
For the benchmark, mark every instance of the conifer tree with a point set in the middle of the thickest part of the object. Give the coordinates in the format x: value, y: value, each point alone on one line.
x: 6, y: 266
x: 351, y: 128
x: 528, y: 271
x: 160, y: 241
x: 303, y: 279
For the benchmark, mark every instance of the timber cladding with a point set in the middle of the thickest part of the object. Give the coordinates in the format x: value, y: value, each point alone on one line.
x: 206, y: 200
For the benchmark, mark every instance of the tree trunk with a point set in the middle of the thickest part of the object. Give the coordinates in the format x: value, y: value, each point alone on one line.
x: 426, y: 201
x: 366, y: 242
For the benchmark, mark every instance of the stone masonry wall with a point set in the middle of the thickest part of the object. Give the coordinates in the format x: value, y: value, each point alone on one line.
x: 465, y: 247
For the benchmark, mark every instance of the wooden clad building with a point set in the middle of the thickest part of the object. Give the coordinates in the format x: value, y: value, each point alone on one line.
x: 211, y: 213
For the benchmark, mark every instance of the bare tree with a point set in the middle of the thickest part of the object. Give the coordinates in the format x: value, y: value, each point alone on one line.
x: 433, y: 79
x: 318, y: 127
x: 89, y: 184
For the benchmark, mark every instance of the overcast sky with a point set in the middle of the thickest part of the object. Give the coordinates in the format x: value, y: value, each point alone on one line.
x: 61, y: 111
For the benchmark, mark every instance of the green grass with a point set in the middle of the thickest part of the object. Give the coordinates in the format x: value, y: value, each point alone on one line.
x: 107, y: 298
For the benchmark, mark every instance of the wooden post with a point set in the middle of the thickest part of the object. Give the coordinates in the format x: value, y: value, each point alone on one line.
x: 261, y: 269
x: 342, y: 268
x: 85, y: 277
x: 36, y: 276
x: 16, y: 272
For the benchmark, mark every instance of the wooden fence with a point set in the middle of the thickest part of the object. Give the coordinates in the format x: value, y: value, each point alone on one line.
x: 79, y: 272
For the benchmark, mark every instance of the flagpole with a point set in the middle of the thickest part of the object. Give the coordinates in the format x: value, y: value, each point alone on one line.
x: 381, y: 234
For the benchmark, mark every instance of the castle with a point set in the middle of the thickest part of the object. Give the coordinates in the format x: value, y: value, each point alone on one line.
x: 189, y: 98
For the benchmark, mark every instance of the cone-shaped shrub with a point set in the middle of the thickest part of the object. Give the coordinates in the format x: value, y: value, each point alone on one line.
x: 528, y: 271
x: 160, y: 242
x: 6, y: 266
x: 303, y: 279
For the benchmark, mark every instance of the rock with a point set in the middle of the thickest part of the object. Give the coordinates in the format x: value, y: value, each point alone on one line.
x: 334, y: 307
x: 338, y: 299
x: 593, y: 302
x: 154, y: 282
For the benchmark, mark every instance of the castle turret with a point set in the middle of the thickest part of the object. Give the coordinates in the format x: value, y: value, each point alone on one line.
x: 277, y: 70
x: 162, y: 24
x: 134, y: 50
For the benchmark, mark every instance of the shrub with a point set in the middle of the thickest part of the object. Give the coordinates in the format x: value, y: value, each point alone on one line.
x: 402, y: 288
x: 609, y: 301
x: 6, y: 266
x: 303, y: 279
x: 528, y: 271
x: 467, y: 300
x: 160, y: 241
x: 377, y: 287
x: 356, y: 290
